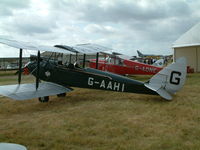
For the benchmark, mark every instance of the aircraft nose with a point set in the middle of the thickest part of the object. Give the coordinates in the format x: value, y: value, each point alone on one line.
x: 27, y: 68
x: 26, y: 71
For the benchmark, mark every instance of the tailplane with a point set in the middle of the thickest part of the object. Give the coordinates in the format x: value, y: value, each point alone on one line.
x: 169, y: 80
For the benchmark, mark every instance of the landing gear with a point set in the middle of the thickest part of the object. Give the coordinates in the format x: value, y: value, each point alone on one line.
x: 61, y: 95
x: 44, y: 99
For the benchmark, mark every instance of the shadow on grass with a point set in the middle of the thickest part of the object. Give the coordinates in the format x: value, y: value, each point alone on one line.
x: 76, y: 98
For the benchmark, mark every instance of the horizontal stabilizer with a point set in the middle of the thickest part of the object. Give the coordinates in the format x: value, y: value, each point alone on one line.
x: 28, y: 91
x: 164, y: 94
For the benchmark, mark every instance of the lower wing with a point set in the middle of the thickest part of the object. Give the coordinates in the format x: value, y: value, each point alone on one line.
x: 28, y: 91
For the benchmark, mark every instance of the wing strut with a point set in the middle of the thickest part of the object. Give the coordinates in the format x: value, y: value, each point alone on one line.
x: 20, y: 66
x: 38, y: 70
x: 76, y: 56
x: 97, y: 60
x: 84, y: 55
x: 70, y: 58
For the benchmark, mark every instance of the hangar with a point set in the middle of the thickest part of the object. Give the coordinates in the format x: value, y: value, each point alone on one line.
x: 188, y: 45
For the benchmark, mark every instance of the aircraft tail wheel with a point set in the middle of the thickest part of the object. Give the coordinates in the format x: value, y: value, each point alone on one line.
x: 44, y: 99
x: 61, y: 95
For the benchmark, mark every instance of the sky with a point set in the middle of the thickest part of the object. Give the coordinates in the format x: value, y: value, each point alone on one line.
x: 151, y: 26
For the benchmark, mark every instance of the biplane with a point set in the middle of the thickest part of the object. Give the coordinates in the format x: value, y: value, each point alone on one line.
x: 59, y: 78
x: 121, y: 65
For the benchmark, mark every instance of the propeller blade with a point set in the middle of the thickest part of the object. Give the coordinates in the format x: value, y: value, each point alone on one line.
x: 20, y: 66
x: 22, y: 71
x: 38, y: 70
x: 17, y: 72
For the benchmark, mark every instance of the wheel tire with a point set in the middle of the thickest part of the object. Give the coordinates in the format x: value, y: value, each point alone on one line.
x: 44, y: 99
x: 61, y: 95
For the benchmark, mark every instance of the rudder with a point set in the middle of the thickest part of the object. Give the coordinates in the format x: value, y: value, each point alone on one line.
x: 169, y: 80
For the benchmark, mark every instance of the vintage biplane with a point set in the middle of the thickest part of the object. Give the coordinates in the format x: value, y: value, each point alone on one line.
x: 58, y: 78
x: 120, y: 64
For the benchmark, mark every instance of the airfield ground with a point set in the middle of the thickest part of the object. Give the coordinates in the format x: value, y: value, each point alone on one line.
x: 97, y: 120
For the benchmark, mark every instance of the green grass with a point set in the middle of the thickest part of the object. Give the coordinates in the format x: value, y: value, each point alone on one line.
x: 95, y: 120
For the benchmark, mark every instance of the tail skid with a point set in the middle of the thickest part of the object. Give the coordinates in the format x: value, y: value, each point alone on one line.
x: 169, y: 80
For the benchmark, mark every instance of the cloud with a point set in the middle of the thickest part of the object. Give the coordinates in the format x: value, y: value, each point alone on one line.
x: 8, y: 6
x: 100, y: 29
x: 31, y: 24
x: 125, y: 25
x: 119, y: 11
x: 147, y: 21
x: 30, y: 21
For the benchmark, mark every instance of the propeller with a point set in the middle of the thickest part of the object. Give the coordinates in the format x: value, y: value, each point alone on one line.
x: 18, y: 71
x: 25, y: 70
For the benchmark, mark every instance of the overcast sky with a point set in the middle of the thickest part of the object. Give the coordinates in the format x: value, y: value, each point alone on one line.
x: 150, y: 26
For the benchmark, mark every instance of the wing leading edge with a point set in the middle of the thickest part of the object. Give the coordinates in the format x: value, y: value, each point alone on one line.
x: 30, y: 46
x: 66, y: 49
x: 87, y: 48
x: 28, y: 91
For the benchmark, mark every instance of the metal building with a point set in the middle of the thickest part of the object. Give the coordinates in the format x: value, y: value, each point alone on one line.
x: 188, y: 45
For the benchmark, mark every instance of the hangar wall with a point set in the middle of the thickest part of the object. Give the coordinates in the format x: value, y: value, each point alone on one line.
x: 198, y: 59
x: 192, y: 55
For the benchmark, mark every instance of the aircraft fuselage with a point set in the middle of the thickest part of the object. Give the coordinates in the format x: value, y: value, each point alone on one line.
x: 88, y: 78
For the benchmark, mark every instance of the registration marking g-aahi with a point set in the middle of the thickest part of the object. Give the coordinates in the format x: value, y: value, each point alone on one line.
x: 109, y: 85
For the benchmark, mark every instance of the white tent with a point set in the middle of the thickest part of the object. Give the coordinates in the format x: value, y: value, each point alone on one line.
x: 188, y: 45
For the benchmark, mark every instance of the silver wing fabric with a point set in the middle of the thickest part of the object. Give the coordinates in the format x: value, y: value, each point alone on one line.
x: 88, y: 48
x: 30, y: 46
x: 93, y: 48
x: 28, y: 91
x: 66, y: 49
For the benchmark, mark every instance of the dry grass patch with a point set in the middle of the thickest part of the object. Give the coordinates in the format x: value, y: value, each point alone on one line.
x: 93, y: 119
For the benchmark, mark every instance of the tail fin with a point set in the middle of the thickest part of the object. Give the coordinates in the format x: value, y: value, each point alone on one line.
x: 169, y: 80
x: 140, y: 54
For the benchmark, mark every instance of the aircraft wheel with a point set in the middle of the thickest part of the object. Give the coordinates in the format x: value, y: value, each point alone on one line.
x: 44, y: 99
x: 61, y: 95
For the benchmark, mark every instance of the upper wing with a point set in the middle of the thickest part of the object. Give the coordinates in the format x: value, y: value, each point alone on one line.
x: 124, y: 57
x: 80, y: 48
x: 86, y: 48
x: 28, y: 91
x: 30, y: 46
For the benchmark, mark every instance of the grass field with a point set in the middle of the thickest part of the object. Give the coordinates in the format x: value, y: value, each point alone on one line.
x: 97, y: 120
